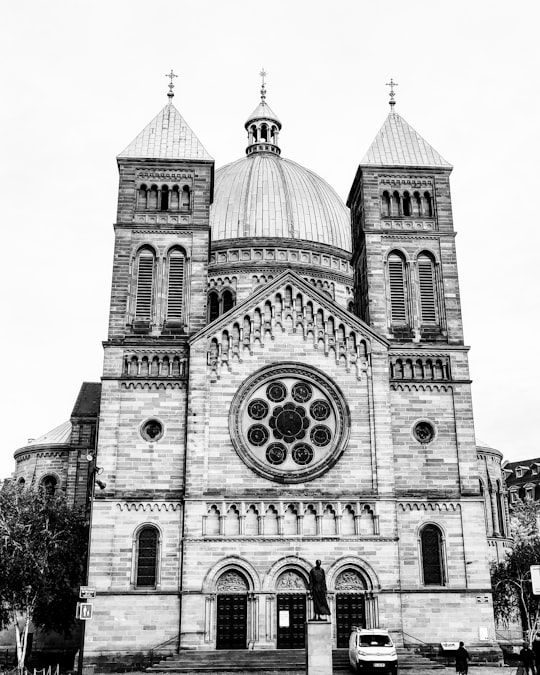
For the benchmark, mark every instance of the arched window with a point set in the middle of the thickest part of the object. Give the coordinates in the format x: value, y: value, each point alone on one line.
x: 145, y: 282
x: 152, y: 197
x: 175, y: 291
x: 141, y: 197
x: 396, y: 204
x: 417, y: 204
x: 398, y: 289
x: 385, y: 203
x: 213, y: 306
x: 428, y: 205
x: 147, y: 557
x: 432, y: 556
x: 264, y: 132
x: 164, y: 206
x: 48, y: 485
x: 186, y: 201
x: 407, y: 204
x: 428, y: 291
x: 228, y: 301
x: 175, y: 198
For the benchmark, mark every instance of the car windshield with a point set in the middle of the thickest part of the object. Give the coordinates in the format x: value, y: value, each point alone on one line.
x: 375, y: 640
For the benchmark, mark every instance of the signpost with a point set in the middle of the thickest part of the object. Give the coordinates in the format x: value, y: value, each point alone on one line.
x: 87, y: 592
x: 535, y: 579
x: 84, y: 611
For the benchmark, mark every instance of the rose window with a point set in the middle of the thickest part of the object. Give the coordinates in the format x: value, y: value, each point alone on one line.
x: 289, y: 423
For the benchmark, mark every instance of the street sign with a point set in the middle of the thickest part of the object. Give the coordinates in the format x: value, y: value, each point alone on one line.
x: 84, y: 611
x: 535, y: 578
x: 87, y: 592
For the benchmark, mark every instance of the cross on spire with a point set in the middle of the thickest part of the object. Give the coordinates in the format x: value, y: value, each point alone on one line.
x: 392, y: 84
x: 170, y: 93
x: 263, y: 74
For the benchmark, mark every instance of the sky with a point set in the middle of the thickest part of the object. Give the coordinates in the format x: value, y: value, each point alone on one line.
x: 79, y: 80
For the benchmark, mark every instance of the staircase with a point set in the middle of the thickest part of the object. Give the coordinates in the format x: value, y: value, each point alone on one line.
x: 270, y: 662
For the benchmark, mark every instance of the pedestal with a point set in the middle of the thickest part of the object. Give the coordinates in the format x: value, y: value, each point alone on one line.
x: 318, y: 648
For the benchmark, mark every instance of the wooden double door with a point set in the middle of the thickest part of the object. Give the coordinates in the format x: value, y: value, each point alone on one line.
x: 291, y: 621
x: 350, y: 612
x: 231, y: 621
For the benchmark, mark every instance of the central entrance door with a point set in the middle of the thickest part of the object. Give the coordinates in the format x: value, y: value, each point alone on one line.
x: 231, y: 621
x: 291, y: 620
x: 350, y: 611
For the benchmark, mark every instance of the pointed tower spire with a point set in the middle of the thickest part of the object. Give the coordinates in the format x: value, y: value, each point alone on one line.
x: 263, y: 125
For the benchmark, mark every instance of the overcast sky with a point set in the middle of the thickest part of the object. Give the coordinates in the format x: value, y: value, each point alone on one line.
x: 79, y: 80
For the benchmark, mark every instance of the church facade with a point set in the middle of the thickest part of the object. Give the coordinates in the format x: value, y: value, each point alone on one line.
x: 285, y: 379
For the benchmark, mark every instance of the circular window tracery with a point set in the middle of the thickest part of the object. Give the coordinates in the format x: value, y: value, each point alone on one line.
x: 275, y: 423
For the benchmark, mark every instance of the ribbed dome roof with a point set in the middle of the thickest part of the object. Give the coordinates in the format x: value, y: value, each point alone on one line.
x: 264, y: 195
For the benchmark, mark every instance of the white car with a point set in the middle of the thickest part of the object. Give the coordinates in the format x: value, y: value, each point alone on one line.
x: 371, y: 650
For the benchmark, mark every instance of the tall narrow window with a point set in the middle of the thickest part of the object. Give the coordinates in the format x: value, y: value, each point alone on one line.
x: 385, y: 203
x: 228, y: 301
x: 164, y: 206
x: 428, y: 293
x: 141, y: 197
x: 175, y: 294
x: 145, y: 279
x: 147, y: 557
x: 398, y: 297
x: 152, y: 197
x: 406, y: 204
x: 213, y: 306
x: 185, y: 197
x: 432, y: 559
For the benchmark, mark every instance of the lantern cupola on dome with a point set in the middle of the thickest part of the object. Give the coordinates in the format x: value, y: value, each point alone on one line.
x: 263, y: 126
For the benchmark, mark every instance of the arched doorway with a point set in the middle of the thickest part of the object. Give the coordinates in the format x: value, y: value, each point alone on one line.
x: 350, y: 605
x: 291, y: 611
x: 231, y: 624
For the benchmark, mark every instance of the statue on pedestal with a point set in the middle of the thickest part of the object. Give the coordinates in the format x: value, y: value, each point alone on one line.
x: 317, y: 586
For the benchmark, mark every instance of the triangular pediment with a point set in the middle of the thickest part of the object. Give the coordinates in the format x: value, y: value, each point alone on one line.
x: 398, y: 144
x: 168, y: 136
x: 291, y: 304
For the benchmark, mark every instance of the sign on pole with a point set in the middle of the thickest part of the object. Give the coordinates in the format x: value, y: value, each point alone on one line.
x: 535, y: 578
x: 84, y: 611
x: 87, y: 592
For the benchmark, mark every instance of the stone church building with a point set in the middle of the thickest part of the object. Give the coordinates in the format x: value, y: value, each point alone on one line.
x: 285, y: 379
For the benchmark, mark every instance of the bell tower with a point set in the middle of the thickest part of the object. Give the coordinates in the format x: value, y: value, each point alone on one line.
x: 403, y: 238
x: 158, y: 301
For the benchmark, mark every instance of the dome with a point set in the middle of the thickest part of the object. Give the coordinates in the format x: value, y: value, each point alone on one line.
x: 264, y: 195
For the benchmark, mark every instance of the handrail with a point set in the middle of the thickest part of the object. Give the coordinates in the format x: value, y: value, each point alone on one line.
x: 414, y: 638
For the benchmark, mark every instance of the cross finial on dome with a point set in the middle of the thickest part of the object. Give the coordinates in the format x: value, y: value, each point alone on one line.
x: 392, y: 84
x: 263, y: 74
x: 170, y: 93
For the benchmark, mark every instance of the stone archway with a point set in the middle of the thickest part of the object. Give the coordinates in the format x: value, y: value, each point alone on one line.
x: 350, y: 599
x: 291, y: 591
x: 232, y: 610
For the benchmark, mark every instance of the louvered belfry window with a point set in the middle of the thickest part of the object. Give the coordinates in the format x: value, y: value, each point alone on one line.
x: 398, y: 297
x: 145, y: 279
x: 428, y: 296
x: 147, y: 557
x: 432, y: 563
x: 175, y: 295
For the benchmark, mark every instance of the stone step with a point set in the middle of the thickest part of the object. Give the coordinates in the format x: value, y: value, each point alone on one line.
x: 269, y: 662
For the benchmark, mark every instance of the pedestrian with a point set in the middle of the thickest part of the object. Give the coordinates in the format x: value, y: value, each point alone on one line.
x: 526, y: 656
x: 462, y: 660
x: 536, y: 651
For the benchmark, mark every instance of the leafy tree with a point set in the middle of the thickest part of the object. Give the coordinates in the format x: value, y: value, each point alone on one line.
x: 513, y: 598
x: 43, y: 543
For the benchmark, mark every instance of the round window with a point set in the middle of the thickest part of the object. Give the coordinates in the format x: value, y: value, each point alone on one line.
x: 289, y: 423
x: 152, y: 430
x: 424, y: 431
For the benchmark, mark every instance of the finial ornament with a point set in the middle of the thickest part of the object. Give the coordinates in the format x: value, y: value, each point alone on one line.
x: 170, y: 93
x: 263, y: 74
x: 392, y: 84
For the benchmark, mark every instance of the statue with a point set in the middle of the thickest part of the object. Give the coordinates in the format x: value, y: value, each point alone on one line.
x: 317, y: 586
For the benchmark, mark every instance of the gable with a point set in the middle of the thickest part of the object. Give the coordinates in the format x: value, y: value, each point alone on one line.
x: 289, y: 304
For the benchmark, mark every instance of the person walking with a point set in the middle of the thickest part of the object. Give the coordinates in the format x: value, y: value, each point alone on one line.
x: 526, y: 656
x: 462, y: 660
